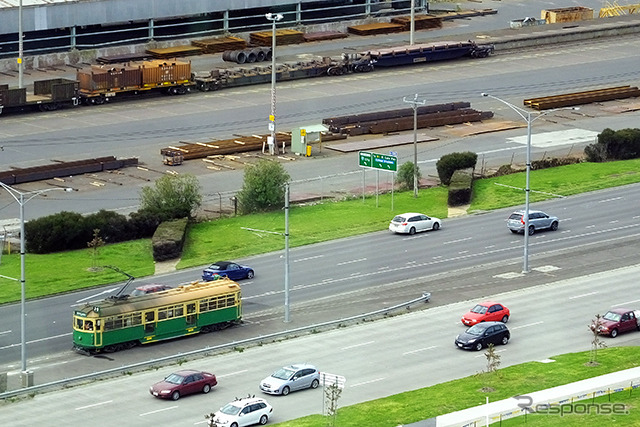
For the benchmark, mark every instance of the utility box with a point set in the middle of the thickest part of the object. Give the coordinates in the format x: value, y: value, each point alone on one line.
x: 304, y: 136
x: 567, y: 14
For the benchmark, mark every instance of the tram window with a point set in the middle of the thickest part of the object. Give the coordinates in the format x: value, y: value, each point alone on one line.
x: 78, y: 323
x: 88, y: 325
x: 191, y: 319
x: 149, y: 316
x: 179, y: 311
x: 149, y: 328
x: 191, y: 308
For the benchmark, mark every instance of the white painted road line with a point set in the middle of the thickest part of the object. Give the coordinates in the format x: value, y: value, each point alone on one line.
x: 358, y: 345
x: 583, y: 295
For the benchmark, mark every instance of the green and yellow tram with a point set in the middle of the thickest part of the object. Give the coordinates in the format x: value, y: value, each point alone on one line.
x: 118, y: 323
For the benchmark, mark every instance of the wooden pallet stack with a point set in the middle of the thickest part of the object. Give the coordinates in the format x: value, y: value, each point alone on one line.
x: 376, y: 28
x: 283, y: 37
x: 220, y: 44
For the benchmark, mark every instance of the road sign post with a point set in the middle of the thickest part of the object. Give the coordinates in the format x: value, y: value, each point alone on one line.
x: 377, y: 161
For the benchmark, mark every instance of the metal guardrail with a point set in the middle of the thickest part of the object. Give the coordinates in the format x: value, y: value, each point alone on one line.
x: 154, y: 362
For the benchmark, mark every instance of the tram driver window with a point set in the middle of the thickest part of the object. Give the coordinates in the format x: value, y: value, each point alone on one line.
x: 88, y: 325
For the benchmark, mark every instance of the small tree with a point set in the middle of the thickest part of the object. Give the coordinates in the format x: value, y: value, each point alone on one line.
x: 174, y: 196
x: 596, y: 342
x: 94, y: 247
x: 263, y: 188
x: 405, y: 175
x: 493, y: 358
x: 449, y: 163
x: 332, y: 394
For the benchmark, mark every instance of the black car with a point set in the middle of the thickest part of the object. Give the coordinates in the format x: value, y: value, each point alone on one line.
x: 228, y: 269
x: 483, y: 334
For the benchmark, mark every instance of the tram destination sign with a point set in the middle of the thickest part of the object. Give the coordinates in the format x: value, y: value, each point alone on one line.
x: 371, y: 160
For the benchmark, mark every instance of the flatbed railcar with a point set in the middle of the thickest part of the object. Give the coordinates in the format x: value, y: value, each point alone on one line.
x: 120, y: 323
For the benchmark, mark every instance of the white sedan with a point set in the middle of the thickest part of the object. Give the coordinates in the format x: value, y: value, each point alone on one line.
x: 412, y: 223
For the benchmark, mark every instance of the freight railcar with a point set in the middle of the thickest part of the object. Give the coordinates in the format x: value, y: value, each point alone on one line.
x: 47, y: 95
x: 123, y: 322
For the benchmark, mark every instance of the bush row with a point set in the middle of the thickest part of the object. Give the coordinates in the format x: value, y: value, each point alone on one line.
x: 69, y: 230
x: 623, y: 144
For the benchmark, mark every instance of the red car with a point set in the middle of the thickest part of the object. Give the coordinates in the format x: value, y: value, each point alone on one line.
x: 182, y: 383
x: 487, y: 311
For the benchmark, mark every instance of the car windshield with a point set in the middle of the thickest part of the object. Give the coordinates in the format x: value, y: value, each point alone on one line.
x: 174, y: 379
x: 614, y: 317
x: 283, y: 374
x: 230, y: 409
x: 476, y: 330
x: 480, y: 309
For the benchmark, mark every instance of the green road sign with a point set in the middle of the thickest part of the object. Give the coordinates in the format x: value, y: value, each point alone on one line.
x: 385, y: 162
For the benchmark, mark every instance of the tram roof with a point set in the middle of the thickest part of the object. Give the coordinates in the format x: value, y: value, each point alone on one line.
x: 181, y: 294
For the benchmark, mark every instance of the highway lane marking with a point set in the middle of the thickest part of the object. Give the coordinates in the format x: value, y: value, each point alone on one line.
x: 609, y: 200
x: 527, y: 325
x: 232, y: 373
x: 38, y: 340
x: 456, y: 241
x: 358, y: 345
x: 626, y: 303
x: 419, y: 350
x: 107, y: 291
x: 583, y: 295
x: 367, y: 382
x: 308, y: 258
x: 93, y: 406
x: 352, y: 261
x: 5, y: 332
x: 159, y: 410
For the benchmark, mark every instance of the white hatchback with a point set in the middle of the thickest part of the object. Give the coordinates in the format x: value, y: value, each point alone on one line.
x: 412, y: 223
x: 242, y: 412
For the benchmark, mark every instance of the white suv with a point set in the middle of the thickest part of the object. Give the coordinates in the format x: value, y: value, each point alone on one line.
x: 242, y: 412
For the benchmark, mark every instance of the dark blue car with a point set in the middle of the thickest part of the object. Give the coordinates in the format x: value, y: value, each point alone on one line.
x: 228, y: 269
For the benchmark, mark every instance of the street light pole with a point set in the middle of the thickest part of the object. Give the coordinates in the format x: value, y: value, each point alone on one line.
x: 20, y: 47
x: 22, y: 198
x: 414, y: 103
x: 412, y: 25
x: 272, y: 117
x: 527, y: 116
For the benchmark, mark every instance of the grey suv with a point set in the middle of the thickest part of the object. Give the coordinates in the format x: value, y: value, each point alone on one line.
x: 538, y: 220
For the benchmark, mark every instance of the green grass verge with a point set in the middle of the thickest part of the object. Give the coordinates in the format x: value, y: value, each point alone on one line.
x: 429, y: 402
x: 226, y: 239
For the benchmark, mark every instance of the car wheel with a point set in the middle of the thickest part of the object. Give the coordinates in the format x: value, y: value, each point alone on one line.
x: 412, y: 231
x: 435, y: 227
x: 532, y: 230
x: 234, y: 425
x: 175, y: 395
x: 285, y: 391
x: 263, y: 420
x: 505, y: 318
x: 478, y: 346
x: 554, y: 226
x: 250, y: 275
x: 505, y: 340
x: 315, y: 383
x: 206, y: 389
x: 614, y: 333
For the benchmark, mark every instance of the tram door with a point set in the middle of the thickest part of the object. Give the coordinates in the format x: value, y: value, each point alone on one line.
x: 149, y: 324
x: 98, y: 334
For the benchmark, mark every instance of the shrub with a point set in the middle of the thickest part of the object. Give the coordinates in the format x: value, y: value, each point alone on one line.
x: 460, y: 187
x: 623, y: 144
x: 405, y: 175
x: 55, y: 233
x: 168, y: 239
x: 263, y: 187
x: 449, y: 163
x: 113, y: 226
x: 172, y: 197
